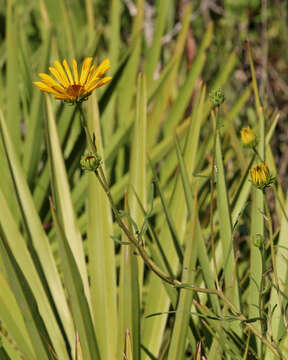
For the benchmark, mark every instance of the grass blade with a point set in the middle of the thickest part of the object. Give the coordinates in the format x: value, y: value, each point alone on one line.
x: 35, y: 135
x: 180, y: 329
x: 226, y: 232
x: 157, y: 300
x: 13, y: 108
x: 61, y: 193
x: 10, y: 315
x: 75, y: 288
x: 35, y: 326
x: 101, y: 252
x: 38, y: 239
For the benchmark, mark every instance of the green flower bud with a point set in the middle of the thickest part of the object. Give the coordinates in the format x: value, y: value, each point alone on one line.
x: 259, y: 241
x: 217, y: 97
x: 90, y: 161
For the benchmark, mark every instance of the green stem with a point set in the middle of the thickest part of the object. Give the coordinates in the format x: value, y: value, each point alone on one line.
x: 103, y: 182
x: 257, y: 153
x: 91, y: 144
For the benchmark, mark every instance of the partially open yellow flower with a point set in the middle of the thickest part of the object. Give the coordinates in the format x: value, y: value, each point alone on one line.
x: 248, y: 137
x: 73, y: 88
x: 260, y: 176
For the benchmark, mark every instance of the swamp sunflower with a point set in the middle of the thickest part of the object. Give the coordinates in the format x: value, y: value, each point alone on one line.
x: 248, y: 137
x: 72, y: 87
x: 260, y: 176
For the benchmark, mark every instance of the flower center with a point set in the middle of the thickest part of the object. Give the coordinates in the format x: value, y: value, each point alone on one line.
x: 74, y: 90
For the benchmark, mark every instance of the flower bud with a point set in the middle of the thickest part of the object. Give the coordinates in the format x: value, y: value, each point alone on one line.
x: 217, y: 97
x: 260, y: 176
x: 248, y: 137
x: 90, y: 161
x: 259, y: 241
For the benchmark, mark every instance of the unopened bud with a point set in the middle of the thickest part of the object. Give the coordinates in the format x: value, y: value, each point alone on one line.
x: 217, y: 97
x: 260, y: 176
x: 248, y: 137
x: 90, y: 161
x: 259, y: 241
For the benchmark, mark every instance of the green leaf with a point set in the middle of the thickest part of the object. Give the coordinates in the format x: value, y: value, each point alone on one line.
x: 33, y: 140
x: 13, y: 108
x: 164, y: 90
x: 153, y: 53
x: 39, y: 241
x: 26, y: 301
x: 257, y: 219
x: 101, y: 251
x: 177, y: 110
x: 131, y: 270
x: 79, y: 303
x: 157, y: 299
x: 226, y: 232
x: 10, y: 315
x: 62, y: 195
x: 180, y: 329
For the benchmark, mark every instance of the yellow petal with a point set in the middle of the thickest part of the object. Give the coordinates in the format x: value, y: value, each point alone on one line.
x: 57, y: 76
x: 64, y: 97
x: 99, y: 83
x: 49, y: 81
x: 101, y: 69
x: 61, y: 72
x: 75, y: 70
x: 68, y: 71
x: 85, y: 70
x: 88, y: 81
x: 45, y: 88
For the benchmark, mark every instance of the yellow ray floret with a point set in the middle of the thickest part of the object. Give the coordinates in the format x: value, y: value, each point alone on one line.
x: 68, y: 86
x: 260, y: 176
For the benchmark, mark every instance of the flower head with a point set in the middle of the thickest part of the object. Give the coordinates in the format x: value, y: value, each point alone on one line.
x: 260, y: 176
x: 70, y: 87
x: 259, y: 241
x: 90, y: 161
x: 248, y: 137
x: 217, y: 97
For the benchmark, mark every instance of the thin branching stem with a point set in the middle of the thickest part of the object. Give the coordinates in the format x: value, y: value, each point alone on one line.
x: 134, y: 241
x: 257, y: 153
x: 150, y: 263
x: 239, y: 315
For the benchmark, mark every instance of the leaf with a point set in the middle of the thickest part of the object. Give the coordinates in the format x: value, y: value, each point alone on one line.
x: 62, y: 195
x: 101, y: 251
x: 35, y: 326
x: 79, y: 303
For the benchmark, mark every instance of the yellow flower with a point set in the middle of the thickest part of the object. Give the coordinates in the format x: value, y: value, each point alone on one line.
x: 260, y: 176
x: 73, y: 88
x: 248, y: 137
